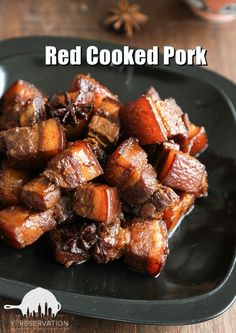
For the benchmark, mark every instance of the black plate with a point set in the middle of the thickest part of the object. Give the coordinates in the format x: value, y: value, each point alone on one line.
x: 198, y: 281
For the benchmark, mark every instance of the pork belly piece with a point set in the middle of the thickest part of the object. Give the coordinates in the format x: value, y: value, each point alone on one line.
x: 33, y: 146
x: 40, y: 194
x: 148, y: 247
x: 128, y: 170
x: 21, y: 227
x: 171, y: 115
x: 71, y: 243
x: 125, y: 159
x: 153, y: 94
x: 141, y: 120
x: 73, y: 115
x: 182, y: 172
x: 104, y: 126
x: 162, y: 198
x: 74, y: 166
x: 196, y: 141
x: 12, y: 181
x: 90, y: 91
x: 98, y: 202
x: 33, y: 112
x: 112, y: 242
x: 140, y: 185
x: 173, y: 215
x: 14, y: 102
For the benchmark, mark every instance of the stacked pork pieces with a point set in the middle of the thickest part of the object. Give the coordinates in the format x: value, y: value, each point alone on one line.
x: 102, y: 179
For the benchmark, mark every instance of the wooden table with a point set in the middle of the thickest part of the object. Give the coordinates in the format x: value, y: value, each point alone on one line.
x: 170, y: 23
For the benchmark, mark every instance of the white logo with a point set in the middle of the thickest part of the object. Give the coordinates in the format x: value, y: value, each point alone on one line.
x: 37, y: 301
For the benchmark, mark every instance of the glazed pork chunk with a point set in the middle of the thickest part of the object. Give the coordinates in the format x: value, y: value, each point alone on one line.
x: 171, y: 115
x: 98, y: 202
x: 104, y: 127
x: 127, y: 169
x: 74, y: 166
x: 12, y: 181
x: 182, y: 172
x: 173, y: 215
x: 162, y: 198
x: 141, y: 120
x: 21, y: 227
x: 148, y: 247
x: 40, y: 194
x: 196, y: 141
x: 32, y: 147
x: 22, y: 105
x: 152, y: 120
x: 90, y: 91
x: 105, y: 124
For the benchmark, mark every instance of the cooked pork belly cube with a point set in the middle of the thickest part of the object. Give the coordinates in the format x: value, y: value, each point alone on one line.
x: 173, y: 215
x: 196, y: 141
x: 98, y: 202
x: 40, y: 194
x: 126, y: 158
x: 112, y: 242
x: 109, y: 109
x: 71, y: 243
x: 74, y: 166
x: 153, y: 94
x: 33, y: 112
x: 148, y: 247
x: 21, y: 227
x: 33, y: 146
x: 105, y: 124
x: 104, y: 131
x: 141, y: 120
x: 171, y: 115
x: 182, y: 172
x: 162, y: 198
x: 11, y: 184
x: 127, y: 168
x: 90, y: 91
x: 140, y: 185
x: 14, y: 101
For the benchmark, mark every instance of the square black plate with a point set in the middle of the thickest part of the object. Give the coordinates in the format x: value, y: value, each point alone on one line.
x: 198, y: 281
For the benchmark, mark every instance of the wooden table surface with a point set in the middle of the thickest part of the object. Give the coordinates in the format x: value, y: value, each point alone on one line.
x: 170, y: 23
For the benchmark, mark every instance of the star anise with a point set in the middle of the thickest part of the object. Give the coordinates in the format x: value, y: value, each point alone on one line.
x: 71, y: 111
x: 125, y: 16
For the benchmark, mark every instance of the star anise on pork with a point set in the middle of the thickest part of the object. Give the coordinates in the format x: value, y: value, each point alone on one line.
x: 71, y: 111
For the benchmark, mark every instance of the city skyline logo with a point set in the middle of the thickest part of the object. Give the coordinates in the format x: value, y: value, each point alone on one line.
x: 38, y: 302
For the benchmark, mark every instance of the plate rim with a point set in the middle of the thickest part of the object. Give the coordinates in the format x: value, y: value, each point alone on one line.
x: 159, y: 312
